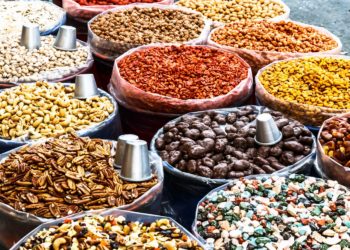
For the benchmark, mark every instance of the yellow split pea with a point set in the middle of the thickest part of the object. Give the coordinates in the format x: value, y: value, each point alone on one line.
x: 317, y: 81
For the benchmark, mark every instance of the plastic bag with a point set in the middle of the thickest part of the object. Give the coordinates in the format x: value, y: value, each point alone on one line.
x: 134, y: 98
x: 108, y: 129
x: 10, y: 19
x: 328, y: 166
x: 129, y: 216
x: 196, y: 184
x: 109, y: 50
x: 258, y: 59
x: 61, y: 74
x: 15, y: 224
x: 306, y: 114
x: 84, y: 13
x: 282, y: 17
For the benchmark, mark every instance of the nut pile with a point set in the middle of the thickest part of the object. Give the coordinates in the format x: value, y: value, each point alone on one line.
x: 63, y: 176
x: 222, y: 146
x: 273, y: 36
x: 227, y: 11
x: 111, y: 232
x: 47, y: 63
x: 113, y: 2
x: 140, y: 26
x: 13, y: 14
x: 316, y: 81
x: 335, y: 140
x: 44, y: 110
x: 277, y: 213
x: 183, y: 72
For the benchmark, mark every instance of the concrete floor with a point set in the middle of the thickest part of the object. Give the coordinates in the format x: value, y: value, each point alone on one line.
x: 333, y: 15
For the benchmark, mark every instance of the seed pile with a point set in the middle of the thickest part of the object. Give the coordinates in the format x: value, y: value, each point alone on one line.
x: 111, y: 233
x: 14, y: 14
x: 44, y: 110
x: 64, y: 176
x: 222, y: 146
x: 335, y: 140
x: 316, y: 81
x: 148, y: 25
x: 227, y: 11
x: 273, y: 36
x: 184, y: 72
x: 277, y: 213
x: 113, y: 2
x: 19, y: 64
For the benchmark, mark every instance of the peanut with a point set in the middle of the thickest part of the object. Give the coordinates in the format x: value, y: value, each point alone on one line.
x: 227, y: 11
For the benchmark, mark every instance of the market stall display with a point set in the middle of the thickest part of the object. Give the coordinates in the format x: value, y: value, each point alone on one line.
x: 308, y: 89
x: 13, y: 14
x: 18, y: 64
x: 141, y: 24
x: 227, y: 11
x: 295, y: 212
x: 84, y: 10
x: 334, y: 148
x: 113, y: 229
x: 33, y: 111
x: 63, y: 176
x: 210, y: 148
x: 263, y: 42
x: 175, y: 79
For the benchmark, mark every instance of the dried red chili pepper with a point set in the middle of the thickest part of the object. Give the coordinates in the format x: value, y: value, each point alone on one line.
x: 184, y: 72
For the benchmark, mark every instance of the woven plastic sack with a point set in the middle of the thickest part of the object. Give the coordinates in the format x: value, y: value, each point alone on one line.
x: 196, y: 184
x: 306, y: 114
x: 108, y: 129
x: 282, y: 17
x: 328, y: 166
x: 62, y: 74
x: 15, y: 224
x: 84, y: 13
x: 258, y: 59
x: 129, y: 216
x: 49, y: 30
x: 109, y: 51
x: 134, y: 98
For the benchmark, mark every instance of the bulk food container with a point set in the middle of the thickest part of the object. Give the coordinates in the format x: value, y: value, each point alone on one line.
x: 15, y: 224
x: 196, y: 184
x: 109, y: 50
x: 254, y: 214
x: 110, y: 128
x: 13, y: 14
x: 333, y: 149
x: 260, y: 58
x: 295, y: 107
x: 147, y: 219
